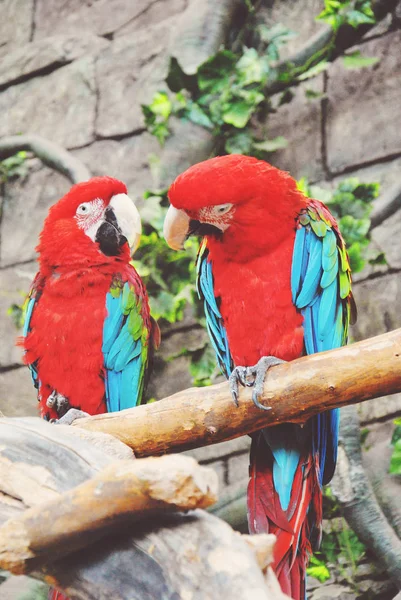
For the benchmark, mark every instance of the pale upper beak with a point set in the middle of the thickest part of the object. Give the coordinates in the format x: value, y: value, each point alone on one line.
x: 176, y: 228
x: 128, y: 219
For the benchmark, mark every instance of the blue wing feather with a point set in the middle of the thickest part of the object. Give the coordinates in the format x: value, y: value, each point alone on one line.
x: 124, y: 350
x: 28, y: 309
x: 214, y: 321
x: 317, y: 297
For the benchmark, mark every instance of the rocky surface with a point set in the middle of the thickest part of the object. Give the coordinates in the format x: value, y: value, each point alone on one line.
x: 77, y: 72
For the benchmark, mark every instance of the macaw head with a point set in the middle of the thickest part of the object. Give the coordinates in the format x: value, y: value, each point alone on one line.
x: 94, y: 220
x: 233, y: 200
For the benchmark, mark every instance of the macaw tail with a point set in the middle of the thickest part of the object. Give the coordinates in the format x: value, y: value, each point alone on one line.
x: 285, y: 498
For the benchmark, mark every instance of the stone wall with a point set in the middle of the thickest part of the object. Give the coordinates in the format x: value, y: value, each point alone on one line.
x: 77, y: 72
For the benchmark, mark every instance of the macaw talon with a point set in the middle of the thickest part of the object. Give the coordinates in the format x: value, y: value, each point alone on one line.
x: 238, y: 375
x: 59, y: 403
x: 70, y: 416
x: 261, y: 368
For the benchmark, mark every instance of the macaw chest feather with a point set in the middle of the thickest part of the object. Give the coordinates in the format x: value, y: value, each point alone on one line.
x: 66, y: 337
x: 257, y: 308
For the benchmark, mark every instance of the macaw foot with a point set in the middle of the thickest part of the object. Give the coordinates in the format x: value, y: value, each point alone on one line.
x: 70, y: 416
x: 252, y: 377
x: 59, y: 403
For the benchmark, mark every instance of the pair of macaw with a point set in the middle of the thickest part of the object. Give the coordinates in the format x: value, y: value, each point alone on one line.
x: 274, y: 278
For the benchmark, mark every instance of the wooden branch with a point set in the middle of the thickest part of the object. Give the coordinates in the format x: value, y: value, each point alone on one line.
x: 295, y: 391
x: 168, y: 557
x: 354, y: 492
x: 54, y: 156
x: 124, y: 492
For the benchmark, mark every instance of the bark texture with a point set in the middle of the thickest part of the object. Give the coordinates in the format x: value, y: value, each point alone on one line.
x: 57, y: 488
x: 295, y: 391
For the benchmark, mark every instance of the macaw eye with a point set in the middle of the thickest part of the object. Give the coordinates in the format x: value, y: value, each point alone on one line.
x: 84, y: 208
x: 222, y: 209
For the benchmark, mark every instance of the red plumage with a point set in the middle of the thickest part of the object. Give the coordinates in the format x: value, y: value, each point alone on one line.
x: 66, y: 328
x: 255, y: 210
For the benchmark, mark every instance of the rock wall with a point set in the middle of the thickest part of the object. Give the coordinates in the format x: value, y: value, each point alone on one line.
x: 77, y: 72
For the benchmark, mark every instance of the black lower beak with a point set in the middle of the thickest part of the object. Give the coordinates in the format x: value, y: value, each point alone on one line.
x: 198, y: 228
x: 109, y: 235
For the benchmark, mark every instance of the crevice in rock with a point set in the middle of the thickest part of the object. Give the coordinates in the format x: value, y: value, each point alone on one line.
x: 224, y: 457
x: 33, y: 22
x: 140, y: 14
x: 12, y: 367
x: 17, y: 263
x: 42, y: 72
x: 371, y: 276
x: 183, y: 329
x: 120, y: 136
x: 383, y: 419
x: 362, y: 165
x: 323, y: 124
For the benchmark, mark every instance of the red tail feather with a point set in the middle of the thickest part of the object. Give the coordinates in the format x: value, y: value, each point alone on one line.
x: 55, y: 595
x: 292, y: 526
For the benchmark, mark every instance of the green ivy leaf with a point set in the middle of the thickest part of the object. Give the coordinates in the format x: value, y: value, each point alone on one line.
x: 356, y: 60
x: 198, y: 116
x: 395, y: 462
x: 239, y: 112
x: 153, y: 213
x: 251, y: 68
x: 397, y: 432
x: 319, y: 572
x: 313, y: 71
x: 214, y: 74
x: 202, y: 366
x: 161, y: 105
x: 357, y: 17
x: 178, y: 80
x: 277, y: 143
x: 239, y: 143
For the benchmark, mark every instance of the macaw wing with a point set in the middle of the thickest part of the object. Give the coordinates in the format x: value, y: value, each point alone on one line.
x: 321, y: 290
x: 27, y: 312
x: 125, y: 347
x: 214, y: 320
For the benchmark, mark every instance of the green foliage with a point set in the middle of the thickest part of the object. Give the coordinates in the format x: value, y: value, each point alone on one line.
x: 15, y: 311
x: 395, y: 461
x: 347, y: 12
x: 12, y: 167
x: 168, y: 275
x: 356, y: 60
x: 203, y: 365
x: 225, y: 93
x: 318, y: 569
x: 351, y: 204
x: 340, y: 550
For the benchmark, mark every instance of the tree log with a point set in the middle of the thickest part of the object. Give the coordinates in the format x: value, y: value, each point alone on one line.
x: 295, y: 391
x: 124, y: 492
x: 354, y: 492
x: 169, y: 557
x: 54, y: 156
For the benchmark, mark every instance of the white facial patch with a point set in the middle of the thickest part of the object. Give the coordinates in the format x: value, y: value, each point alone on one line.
x: 88, y: 216
x: 220, y: 215
x: 128, y: 219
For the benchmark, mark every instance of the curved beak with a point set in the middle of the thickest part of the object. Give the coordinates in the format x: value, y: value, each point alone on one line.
x: 128, y: 219
x: 176, y: 228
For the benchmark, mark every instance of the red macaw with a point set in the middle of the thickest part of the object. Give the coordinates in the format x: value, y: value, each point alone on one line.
x: 88, y: 335
x: 274, y: 277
